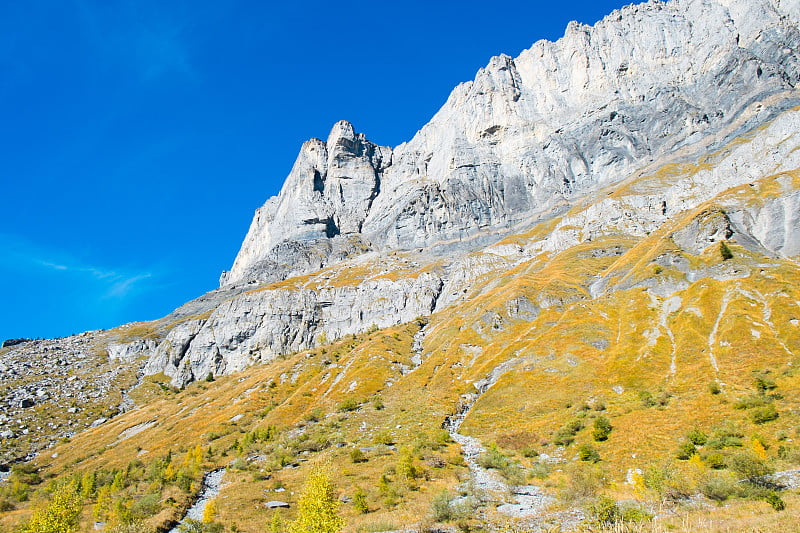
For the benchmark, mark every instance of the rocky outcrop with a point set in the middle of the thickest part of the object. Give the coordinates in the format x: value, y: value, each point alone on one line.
x: 127, y: 352
x: 259, y: 325
x: 323, y: 202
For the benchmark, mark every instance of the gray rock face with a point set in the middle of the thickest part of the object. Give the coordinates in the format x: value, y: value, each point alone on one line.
x: 259, y: 325
x: 566, y: 129
x: 559, y: 120
x: 325, y: 199
x: 128, y: 352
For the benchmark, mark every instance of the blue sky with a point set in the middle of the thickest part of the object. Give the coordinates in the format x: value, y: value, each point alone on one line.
x: 139, y: 136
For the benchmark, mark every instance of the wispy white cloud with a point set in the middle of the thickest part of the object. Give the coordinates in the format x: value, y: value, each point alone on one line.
x: 125, y: 285
x: 110, y: 283
x: 54, y: 266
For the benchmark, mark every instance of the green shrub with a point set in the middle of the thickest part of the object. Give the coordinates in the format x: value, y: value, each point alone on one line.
x: 714, y: 388
x: 494, y: 458
x: 765, y: 414
x: 714, y: 460
x: 442, y: 508
x: 634, y: 515
x: 586, y: 452
x: 6, y: 505
x: 315, y: 415
x: 697, y: 437
x: 667, y: 481
x: 725, y: 436
x: 147, y: 506
x: 530, y: 452
x: 724, y: 251
x: 602, y: 428
x: 775, y: 501
x: 357, y: 456
x: 763, y: 384
x: 718, y: 486
x: 751, y: 402
x: 360, y: 501
x: 347, y: 405
x: 659, y: 400
x: 539, y: 470
x: 584, y: 480
x: 685, y: 451
x: 377, y: 402
x: 566, y: 435
x: 605, y: 511
x: 749, y: 466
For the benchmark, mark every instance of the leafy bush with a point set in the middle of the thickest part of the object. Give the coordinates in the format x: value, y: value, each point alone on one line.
x: 765, y: 414
x: 377, y: 402
x: 634, y: 515
x: 347, y: 405
x: 147, y: 506
x: 445, y: 508
x: 602, y: 428
x: 494, y: 458
x: 195, y: 526
x: 314, y: 415
x: 667, y: 481
x: 714, y: 388
x: 539, y: 470
x: 605, y: 511
x: 714, y: 460
x: 718, y: 486
x: 749, y: 466
x: 751, y: 402
x: 587, y: 453
x: 384, y: 437
x: 697, y: 437
x: 360, y: 501
x: 763, y: 384
x: 775, y: 501
x: 566, y: 435
x: 583, y: 481
x: 725, y: 436
x: 357, y: 456
x: 530, y: 452
x: 649, y: 400
x: 685, y: 451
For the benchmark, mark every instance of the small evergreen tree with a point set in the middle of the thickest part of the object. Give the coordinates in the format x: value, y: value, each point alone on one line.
x: 317, y: 509
x: 360, y: 501
x: 602, y: 428
x: 724, y: 251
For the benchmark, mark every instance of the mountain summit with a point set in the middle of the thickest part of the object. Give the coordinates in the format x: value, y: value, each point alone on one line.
x: 532, y: 139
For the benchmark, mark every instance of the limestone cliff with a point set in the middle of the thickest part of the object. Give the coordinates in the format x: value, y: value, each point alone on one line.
x: 529, y: 133
x: 617, y: 129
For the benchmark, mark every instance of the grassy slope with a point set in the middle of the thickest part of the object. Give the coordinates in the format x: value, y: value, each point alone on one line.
x: 736, y: 320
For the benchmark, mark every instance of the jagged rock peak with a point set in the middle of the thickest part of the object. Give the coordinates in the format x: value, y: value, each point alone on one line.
x: 325, y: 198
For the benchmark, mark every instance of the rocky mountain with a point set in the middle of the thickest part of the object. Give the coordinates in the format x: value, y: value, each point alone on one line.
x: 602, y: 231
x: 529, y: 139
